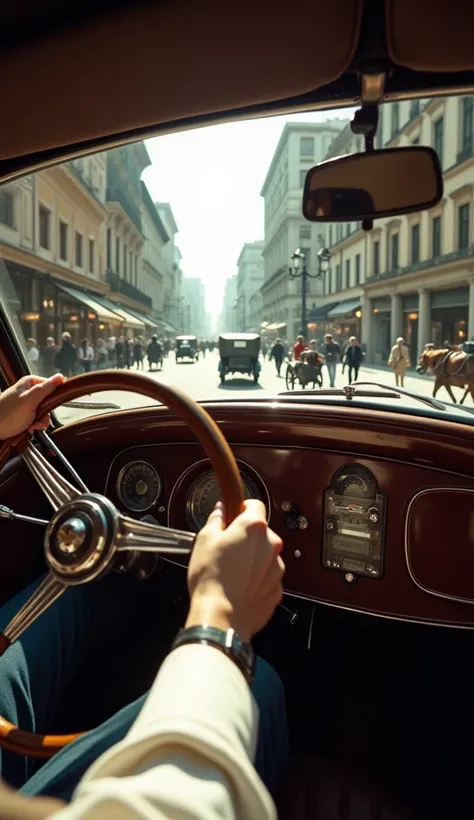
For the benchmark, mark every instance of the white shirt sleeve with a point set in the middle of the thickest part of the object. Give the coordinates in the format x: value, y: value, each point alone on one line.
x: 189, y: 754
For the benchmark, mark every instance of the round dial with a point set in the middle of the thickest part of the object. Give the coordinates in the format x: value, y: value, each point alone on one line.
x: 355, y: 481
x: 205, y: 493
x: 138, y: 486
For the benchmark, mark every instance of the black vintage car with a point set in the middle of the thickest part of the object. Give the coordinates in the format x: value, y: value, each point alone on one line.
x: 239, y: 353
x: 187, y: 348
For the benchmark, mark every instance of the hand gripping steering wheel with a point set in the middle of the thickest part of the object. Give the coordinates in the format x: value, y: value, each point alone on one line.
x: 86, y: 532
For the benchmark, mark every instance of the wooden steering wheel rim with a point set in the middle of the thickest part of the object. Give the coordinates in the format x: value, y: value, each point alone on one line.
x: 208, y: 434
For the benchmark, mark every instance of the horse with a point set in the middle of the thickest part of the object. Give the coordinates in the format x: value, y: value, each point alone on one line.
x: 451, y: 368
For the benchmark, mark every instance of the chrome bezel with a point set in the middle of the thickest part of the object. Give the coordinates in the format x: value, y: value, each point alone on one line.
x: 120, y: 480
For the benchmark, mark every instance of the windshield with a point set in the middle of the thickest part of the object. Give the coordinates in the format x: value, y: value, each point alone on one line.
x: 186, y: 257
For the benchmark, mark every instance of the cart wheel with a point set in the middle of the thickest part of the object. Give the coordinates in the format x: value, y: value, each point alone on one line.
x: 222, y: 378
x: 290, y: 378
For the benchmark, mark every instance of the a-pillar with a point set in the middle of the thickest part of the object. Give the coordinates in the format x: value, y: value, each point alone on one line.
x: 470, y: 321
x: 424, y: 319
x: 367, y: 328
x: 396, y: 322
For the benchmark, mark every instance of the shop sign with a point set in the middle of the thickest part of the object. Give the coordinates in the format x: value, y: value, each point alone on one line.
x: 30, y: 317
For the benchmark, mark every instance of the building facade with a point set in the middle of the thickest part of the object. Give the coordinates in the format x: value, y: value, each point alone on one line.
x: 249, y: 281
x: 413, y: 275
x: 172, y: 267
x: 194, y: 318
x: 228, y: 318
x: 301, y: 146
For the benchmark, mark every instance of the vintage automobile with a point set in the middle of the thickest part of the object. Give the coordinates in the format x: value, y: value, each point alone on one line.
x: 371, y: 490
x: 239, y: 353
x: 186, y: 348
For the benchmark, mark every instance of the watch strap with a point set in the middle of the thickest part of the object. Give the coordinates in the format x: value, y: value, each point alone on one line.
x: 228, y: 641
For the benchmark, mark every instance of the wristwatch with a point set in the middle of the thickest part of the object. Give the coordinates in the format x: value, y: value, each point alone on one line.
x: 228, y: 641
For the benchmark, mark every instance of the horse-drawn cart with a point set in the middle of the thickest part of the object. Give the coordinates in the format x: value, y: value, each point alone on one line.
x: 306, y: 371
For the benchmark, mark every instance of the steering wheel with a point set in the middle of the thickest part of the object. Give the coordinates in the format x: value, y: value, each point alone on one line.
x: 86, y: 532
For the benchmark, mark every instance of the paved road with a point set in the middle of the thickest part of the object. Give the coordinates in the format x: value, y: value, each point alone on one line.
x: 201, y: 381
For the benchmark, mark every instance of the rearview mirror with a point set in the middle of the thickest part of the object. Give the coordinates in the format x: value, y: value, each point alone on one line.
x: 371, y: 185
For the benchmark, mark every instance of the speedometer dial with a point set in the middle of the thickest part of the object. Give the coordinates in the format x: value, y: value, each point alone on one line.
x: 138, y: 486
x: 205, y: 493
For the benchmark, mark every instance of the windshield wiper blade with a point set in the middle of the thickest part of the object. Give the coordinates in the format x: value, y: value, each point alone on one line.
x: 352, y: 392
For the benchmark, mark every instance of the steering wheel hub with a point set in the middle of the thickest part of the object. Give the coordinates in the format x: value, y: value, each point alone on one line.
x: 80, y: 539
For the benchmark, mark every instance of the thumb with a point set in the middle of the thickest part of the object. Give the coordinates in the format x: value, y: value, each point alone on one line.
x: 215, y: 522
x: 39, y: 391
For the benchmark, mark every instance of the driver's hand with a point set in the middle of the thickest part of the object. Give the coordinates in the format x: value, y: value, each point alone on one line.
x: 235, y: 574
x: 18, y: 405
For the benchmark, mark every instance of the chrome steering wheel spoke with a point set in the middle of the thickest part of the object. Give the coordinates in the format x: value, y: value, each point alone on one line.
x: 56, y: 488
x: 48, y: 591
x: 141, y: 536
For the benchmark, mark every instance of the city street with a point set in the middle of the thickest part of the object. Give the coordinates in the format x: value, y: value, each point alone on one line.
x: 201, y: 381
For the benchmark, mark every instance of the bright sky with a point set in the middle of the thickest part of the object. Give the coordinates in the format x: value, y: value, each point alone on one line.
x: 212, y: 178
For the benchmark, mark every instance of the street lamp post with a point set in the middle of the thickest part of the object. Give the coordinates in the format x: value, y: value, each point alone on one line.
x: 298, y: 269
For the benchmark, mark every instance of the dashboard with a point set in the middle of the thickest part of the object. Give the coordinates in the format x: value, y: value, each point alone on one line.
x: 375, y: 509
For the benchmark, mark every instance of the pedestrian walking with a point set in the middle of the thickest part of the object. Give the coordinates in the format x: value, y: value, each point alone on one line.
x: 277, y: 352
x: 399, y: 360
x: 332, y: 355
x: 353, y: 358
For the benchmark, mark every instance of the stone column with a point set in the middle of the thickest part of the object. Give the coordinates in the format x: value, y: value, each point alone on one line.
x: 367, y: 335
x: 396, y: 322
x: 470, y: 322
x: 424, y: 319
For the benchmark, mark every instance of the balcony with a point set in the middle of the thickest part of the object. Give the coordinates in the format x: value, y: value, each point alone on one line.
x: 116, y: 194
x: 425, y: 264
x: 122, y: 286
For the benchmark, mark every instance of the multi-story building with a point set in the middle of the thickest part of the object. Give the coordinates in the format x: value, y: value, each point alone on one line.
x: 172, y: 268
x: 411, y: 275
x: 52, y: 238
x: 301, y: 146
x: 193, y: 307
x: 154, y: 269
x: 249, y: 281
x: 125, y: 237
x: 228, y: 318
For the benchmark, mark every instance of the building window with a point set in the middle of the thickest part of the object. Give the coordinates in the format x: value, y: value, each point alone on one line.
x: 395, y: 119
x: 466, y: 124
x: 415, y: 244
x: 329, y: 281
x: 436, y: 238
x: 357, y: 275
x: 338, y: 278
x: 348, y: 273
x: 339, y: 232
x: 125, y: 257
x: 330, y: 235
x: 307, y: 147
x: 305, y: 233
x: 414, y: 108
x: 348, y: 229
x: 376, y: 262
x: 44, y: 227
x: 463, y: 226
x: 303, y: 172
x: 79, y: 250
x: 438, y: 138
x: 394, y: 251
x: 109, y: 249
x: 63, y: 240
x: 91, y: 255
x: 7, y: 209
x: 131, y: 266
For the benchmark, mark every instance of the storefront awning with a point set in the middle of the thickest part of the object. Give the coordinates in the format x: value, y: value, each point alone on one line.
x: 104, y: 314
x: 276, y: 326
x: 343, y: 308
x: 124, y: 315
x: 168, y: 328
x: 318, y: 314
x: 147, y: 320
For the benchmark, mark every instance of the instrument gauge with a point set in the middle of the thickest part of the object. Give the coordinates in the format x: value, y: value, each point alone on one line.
x: 204, y: 494
x: 138, y: 486
x: 354, y: 480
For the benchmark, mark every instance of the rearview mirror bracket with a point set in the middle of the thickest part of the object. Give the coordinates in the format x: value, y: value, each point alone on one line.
x: 365, y: 122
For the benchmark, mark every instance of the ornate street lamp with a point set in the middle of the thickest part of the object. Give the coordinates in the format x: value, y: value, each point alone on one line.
x: 298, y: 268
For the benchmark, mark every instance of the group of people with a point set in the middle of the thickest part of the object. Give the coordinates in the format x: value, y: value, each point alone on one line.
x: 115, y: 352
x: 328, y: 353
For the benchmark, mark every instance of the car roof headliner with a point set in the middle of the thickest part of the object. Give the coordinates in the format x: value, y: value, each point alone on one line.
x: 93, y: 73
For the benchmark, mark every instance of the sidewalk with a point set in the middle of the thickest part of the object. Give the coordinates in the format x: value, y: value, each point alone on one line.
x: 380, y: 368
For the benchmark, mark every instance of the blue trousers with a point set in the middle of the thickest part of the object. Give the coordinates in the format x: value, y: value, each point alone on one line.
x: 331, y: 366
x: 35, y: 670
